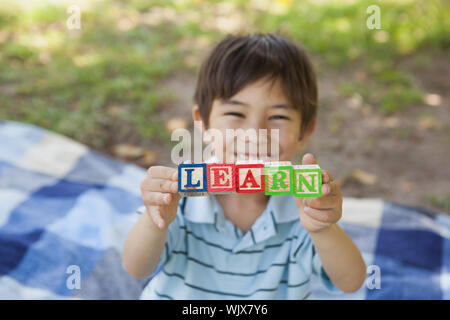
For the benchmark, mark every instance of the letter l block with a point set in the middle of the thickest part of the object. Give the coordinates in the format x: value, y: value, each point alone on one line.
x: 192, y: 179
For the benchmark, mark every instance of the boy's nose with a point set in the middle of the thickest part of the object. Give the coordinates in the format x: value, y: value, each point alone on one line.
x: 257, y: 123
x: 259, y: 126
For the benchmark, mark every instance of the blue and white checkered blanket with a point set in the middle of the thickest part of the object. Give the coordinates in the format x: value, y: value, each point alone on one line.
x: 65, y: 212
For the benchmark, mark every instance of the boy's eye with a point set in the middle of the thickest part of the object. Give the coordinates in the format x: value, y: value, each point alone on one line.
x: 279, y: 117
x: 235, y: 114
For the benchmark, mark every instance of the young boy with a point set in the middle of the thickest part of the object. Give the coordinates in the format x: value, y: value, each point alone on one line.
x: 246, y: 246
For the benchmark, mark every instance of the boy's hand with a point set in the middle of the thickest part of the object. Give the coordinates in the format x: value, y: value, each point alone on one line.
x: 319, y: 213
x: 160, y: 195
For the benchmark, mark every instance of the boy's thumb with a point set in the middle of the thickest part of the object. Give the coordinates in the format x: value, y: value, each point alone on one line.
x: 308, y: 158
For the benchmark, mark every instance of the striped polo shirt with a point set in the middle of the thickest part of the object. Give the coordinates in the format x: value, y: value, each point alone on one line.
x: 207, y: 257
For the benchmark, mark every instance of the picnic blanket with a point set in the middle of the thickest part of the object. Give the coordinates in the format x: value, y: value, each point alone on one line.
x: 65, y: 211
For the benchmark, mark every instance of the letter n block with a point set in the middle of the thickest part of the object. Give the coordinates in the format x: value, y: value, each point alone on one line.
x: 192, y: 179
x: 221, y: 177
x: 249, y: 178
x: 279, y: 178
x: 307, y: 181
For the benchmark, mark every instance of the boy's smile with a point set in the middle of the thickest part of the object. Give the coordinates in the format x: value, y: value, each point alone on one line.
x: 260, y: 105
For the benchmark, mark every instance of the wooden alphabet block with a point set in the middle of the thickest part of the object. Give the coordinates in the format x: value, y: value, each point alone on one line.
x: 273, y: 178
x: 192, y: 179
x: 250, y: 177
x: 279, y: 177
x: 221, y: 178
x: 307, y: 181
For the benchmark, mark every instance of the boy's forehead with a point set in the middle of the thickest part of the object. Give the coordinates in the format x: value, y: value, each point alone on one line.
x: 263, y: 90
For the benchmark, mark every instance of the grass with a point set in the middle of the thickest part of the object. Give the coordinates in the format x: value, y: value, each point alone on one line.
x: 440, y: 202
x: 69, y: 81
x: 103, y: 84
x: 400, y: 97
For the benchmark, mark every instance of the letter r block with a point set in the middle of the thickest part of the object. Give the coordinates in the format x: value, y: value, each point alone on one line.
x: 307, y: 181
x: 249, y: 178
x: 221, y: 177
x: 279, y: 178
x: 192, y: 179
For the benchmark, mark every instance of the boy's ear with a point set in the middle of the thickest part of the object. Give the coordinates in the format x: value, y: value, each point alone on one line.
x: 301, y: 142
x: 196, y: 116
x: 312, y: 128
x: 196, y: 113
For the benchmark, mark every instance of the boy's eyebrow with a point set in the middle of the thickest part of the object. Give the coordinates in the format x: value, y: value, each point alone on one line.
x: 235, y: 102
x: 275, y: 106
x: 283, y: 106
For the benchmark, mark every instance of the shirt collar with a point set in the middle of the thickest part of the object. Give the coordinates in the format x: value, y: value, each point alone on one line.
x: 206, y: 209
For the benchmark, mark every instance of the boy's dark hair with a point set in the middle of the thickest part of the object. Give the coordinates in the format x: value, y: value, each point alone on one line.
x: 239, y: 60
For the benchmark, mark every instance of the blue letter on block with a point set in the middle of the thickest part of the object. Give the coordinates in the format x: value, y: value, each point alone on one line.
x: 189, y: 179
x: 186, y: 184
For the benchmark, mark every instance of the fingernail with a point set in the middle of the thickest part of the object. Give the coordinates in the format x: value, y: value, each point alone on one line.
x: 167, y: 198
x: 304, y: 202
x: 161, y: 224
x: 325, y: 189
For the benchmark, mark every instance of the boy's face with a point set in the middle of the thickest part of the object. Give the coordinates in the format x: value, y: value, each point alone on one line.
x: 260, y: 105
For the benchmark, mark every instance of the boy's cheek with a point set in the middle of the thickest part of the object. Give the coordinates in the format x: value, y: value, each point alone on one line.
x: 289, y: 146
x: 222, y: 123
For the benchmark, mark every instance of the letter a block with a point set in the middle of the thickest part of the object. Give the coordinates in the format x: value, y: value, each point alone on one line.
x: 250, y: 177
x: 192, y: 179
x: 221, y: 177
x: 307, y: 181
x: 279, y: 177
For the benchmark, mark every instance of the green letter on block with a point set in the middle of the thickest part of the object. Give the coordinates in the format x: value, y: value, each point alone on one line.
x: 278, y: 180
x: 307, y: 182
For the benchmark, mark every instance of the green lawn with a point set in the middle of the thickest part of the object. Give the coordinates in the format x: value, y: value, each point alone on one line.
x: 103, y: 84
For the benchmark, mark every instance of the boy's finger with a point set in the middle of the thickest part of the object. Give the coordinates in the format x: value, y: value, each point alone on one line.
x: 175, y: 197
x: 160, y: 172
x: 308, y: 158
x: 330, y: 189
x: 327, y: 215
x: 157, y: 198
x: 327, y: 176
x: 322, y: 203
x: 160, y: 185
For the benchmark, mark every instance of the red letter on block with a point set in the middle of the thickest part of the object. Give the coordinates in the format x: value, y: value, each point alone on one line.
x: 250, y: 177
x: 221, y: 177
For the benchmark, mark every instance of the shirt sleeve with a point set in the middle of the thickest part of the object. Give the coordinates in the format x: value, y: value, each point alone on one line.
x: 174, y: 236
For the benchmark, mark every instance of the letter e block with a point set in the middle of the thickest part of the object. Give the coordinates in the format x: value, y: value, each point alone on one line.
x: 249, y: 178
x: 221, y: 177
x: 307, y: 181
x: 192, y: 179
